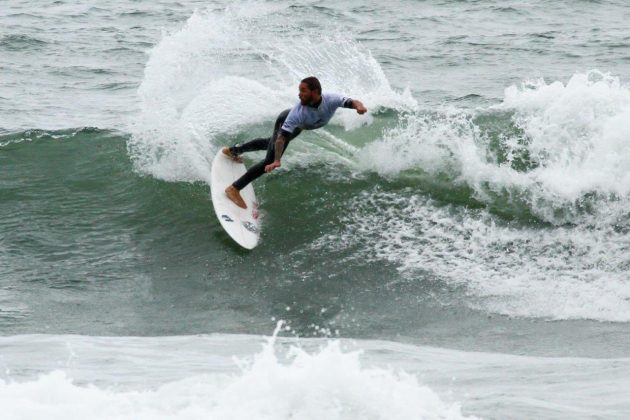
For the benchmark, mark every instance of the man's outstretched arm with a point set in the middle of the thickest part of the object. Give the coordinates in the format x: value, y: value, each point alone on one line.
x: 355, y: 104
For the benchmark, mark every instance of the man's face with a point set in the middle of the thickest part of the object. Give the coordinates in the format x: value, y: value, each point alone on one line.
x: 306, y: 95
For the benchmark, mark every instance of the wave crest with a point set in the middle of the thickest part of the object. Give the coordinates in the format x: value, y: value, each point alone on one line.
x: 562, y: 150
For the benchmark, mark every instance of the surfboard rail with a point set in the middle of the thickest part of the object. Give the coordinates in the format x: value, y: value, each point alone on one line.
x: 241, y: 224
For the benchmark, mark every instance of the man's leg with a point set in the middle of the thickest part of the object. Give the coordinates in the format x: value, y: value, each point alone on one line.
x: 258, y: 169
x: 255, y: 171
x: 235, y: 151
x: 250, y: 146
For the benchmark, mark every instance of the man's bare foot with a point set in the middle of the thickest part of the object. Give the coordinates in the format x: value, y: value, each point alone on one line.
x: 235, y: 195
x: 230, y: 155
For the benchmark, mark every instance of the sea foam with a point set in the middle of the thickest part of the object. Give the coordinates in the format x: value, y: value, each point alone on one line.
x: 227, y: 376
x: 327, y: 383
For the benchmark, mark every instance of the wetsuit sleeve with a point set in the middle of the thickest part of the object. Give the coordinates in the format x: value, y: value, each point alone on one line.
x: 292, y: 122
x: 339, y: 101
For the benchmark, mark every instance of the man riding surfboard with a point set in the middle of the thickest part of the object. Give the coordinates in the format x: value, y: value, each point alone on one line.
x: 313, y: 111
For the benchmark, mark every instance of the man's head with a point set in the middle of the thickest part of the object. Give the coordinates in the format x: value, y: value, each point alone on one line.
x: 310, y: 91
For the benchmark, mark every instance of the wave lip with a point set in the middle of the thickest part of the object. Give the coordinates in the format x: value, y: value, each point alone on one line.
x: 559, y: 149
x: 576, y: 132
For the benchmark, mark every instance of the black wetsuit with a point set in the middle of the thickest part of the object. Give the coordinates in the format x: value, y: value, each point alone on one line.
x: 261, y: 144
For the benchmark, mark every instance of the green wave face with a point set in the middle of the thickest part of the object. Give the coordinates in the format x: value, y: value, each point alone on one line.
x: 473, y: 199
x: 346, y: 246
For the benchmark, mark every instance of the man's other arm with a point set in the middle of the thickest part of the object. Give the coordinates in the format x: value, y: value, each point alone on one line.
x: 355, y: 104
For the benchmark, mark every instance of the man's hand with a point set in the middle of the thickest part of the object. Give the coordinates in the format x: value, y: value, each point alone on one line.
x: 273, y: 165
x: 358, y: 105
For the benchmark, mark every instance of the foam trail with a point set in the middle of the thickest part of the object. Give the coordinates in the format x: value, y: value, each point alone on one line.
x: 340, y: 144
x: 555, y: 273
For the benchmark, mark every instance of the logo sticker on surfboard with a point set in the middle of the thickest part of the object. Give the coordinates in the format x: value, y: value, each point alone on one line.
x: 250, y: 226
x: 226, y: 218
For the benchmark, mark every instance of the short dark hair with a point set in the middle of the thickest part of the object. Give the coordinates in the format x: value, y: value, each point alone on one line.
x: 313, y: 84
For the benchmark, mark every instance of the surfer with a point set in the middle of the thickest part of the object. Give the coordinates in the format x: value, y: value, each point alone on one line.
x: 313, y: 111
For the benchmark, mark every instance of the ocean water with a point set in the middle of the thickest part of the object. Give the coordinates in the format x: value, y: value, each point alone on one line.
x: 461, y: 251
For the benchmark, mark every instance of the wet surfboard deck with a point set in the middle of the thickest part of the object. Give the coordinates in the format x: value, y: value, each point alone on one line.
x: 241, y: 224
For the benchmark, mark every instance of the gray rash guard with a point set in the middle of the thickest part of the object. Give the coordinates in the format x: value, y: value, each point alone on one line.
x: 306, y: 117
x: 290, y: 123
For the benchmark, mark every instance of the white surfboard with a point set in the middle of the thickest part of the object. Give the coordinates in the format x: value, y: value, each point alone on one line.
x: 241, y: 224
